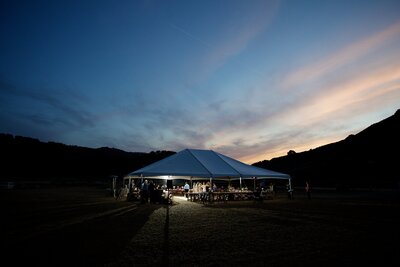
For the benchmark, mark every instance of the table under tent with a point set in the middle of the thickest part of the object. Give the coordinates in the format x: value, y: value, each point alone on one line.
x: 207, y: 172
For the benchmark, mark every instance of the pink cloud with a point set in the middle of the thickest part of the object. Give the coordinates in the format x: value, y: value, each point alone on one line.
x: 342, y: 57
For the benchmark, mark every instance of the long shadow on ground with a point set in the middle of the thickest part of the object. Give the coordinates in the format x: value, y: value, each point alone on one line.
x: 89, y: 234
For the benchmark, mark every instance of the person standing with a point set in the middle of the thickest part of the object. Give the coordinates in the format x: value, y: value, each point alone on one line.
x: 289, y: 191
x: 308, y: 190
x: 186, y: 188
x: 151, y: 190
x: 144, y: 192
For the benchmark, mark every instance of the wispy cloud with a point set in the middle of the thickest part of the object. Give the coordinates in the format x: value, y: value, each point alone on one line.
x: 63, y: 108
x: 188, y: 34
x: 234, y: 37
x: 328, y: 111
x: 331, y: 114
x: 244, y: 32
x: 342, y: 95
x: 342, y: 57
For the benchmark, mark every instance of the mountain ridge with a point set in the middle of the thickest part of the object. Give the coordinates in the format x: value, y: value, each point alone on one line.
x: 57, y: 162
x: 365, y: 159
x: 360, y: 160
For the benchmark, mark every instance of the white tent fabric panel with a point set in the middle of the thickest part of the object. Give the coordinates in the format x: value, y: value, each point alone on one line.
x: 179, y: 164
x: 214, y: 163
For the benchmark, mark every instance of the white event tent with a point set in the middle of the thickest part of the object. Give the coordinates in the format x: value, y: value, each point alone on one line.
x: 195, y: 164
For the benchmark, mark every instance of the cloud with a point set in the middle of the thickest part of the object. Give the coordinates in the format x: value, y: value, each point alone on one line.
x: 234, y: 35
x: 43, y: 107
x: 337, y: 110
x: 244, y: 32
x: 342, y: 57
x: 327, y: 113
x: 191, y: 36
x: 364, y: 88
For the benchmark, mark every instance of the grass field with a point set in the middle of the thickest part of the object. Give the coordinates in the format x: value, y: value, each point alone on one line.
x: 85, y: 226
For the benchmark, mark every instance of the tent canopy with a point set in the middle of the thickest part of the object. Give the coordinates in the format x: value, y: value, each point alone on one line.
x: 196, y: 163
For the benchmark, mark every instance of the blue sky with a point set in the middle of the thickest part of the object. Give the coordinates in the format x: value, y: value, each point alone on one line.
x: 249, y: 79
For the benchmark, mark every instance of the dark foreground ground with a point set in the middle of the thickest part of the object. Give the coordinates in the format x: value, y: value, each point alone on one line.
x: 84, y: 226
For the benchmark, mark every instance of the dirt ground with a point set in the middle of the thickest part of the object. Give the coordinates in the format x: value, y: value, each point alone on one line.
x: 85, y: 226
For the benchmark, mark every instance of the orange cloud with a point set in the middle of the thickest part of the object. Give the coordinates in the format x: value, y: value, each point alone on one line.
x: 342, y: 57
x: 364, y: 88
x: 309, y: 123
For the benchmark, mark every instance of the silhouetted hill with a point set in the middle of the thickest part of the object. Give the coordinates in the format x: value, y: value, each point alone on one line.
x: 367, y: 159
x: 29, y: 159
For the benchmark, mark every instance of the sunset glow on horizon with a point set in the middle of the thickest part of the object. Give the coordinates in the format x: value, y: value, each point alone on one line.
x: 249, y: 79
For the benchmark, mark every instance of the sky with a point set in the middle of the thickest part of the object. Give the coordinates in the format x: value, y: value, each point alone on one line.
x: 249, y: 79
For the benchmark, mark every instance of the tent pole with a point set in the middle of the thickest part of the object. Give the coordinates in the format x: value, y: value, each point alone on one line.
x: 254, y: 185
x: 210, y: 194
x: 240, y: 183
